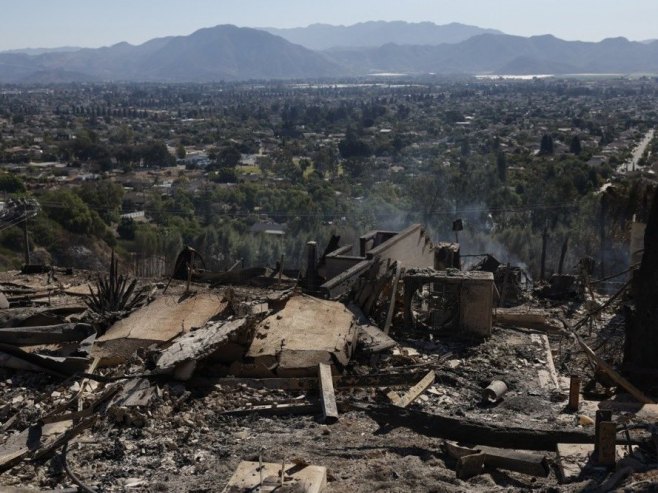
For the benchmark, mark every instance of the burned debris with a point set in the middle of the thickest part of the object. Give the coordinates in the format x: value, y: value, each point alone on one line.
x: 380, y: 365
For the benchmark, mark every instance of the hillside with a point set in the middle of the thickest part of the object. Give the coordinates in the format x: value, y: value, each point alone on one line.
x: 212, y: 54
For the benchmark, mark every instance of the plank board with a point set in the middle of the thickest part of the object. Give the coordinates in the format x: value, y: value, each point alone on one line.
x: 415, y: 391
x: 311, y: 479
x: 573, y: 457
x: 198, y: 345
x: 327, y: 396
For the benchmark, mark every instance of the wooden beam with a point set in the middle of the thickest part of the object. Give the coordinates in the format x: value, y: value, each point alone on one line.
x: 609, y: 370
x: 523, y: 461
x: 312, y: 383
x: 574, y: 393
x: 391, y: 306
x: 470, y: 431
x: 606, y: 442
x: 327, y: 396
x: 415, y: 391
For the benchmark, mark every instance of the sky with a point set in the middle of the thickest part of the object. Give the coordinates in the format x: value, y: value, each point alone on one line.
x: 94, y: 23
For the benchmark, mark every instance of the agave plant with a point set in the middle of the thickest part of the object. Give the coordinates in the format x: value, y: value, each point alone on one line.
x: 115, y: 294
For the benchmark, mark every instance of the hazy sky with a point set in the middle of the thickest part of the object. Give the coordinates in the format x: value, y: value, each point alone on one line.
x: 91, y: 23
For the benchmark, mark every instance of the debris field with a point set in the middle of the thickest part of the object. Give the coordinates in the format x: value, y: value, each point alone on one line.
x: 380, y: 367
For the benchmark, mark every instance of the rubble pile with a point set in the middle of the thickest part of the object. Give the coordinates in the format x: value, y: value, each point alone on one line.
x: 207, y: 386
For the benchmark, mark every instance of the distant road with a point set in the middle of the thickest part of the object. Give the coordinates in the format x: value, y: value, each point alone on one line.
x: 631, y: 164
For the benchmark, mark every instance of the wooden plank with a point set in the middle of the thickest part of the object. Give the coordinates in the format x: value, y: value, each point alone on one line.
x: 542, y: 341
x: 574, y: 393
x: 391, y: 306
x: 267, y: 477
x: 19, y: 446
x: 606, y: 442
x: 373, y: 340
x: 647, y: 412
x: 572, y: 458
x: 523, y: 461
x: 415, y: 391
x: 50, y: 334
x: 197, y: 345
x: 470, y: 465
x: 311, y: 383
x: 327, y: 396
x: 529, y: 318
x: 616, y: 377
x: 276, y: 409
x: 471, y: 431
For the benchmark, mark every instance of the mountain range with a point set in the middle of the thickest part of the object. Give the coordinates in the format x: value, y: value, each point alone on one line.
x: 228, y: 53
x: 378, y: 33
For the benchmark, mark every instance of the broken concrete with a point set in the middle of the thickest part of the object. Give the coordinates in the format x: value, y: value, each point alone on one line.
x: 307, y: 332
x: 159, y: 322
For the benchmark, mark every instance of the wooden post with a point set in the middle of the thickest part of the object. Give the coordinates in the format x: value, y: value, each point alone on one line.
x: 601, y: 416
x: 327, y: 396
x: 607, y: 442
x: 26, y: 243
x: 574, y: 393
x: 391, y: 306
x: 311, y: 265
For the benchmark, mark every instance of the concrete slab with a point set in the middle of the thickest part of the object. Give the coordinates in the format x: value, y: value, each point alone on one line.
x: 307, y: 332
x: 160, y: 321
x: 303, y: 478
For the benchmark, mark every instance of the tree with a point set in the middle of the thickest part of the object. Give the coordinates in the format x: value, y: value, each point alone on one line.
x: 70, y: 211
x: 229, y: 156
x: 181, y: 153
x: 127, y: 228
x: 104, y: 197
x: 546, y: 145
x: 575, y: 146
x: 353, y: 147
x: 156, y: 154
x: 501, y: 165
x: 11, y: 183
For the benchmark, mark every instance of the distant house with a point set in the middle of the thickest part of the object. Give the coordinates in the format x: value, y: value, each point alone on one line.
x: 268, y: 228
x: 596, y: 161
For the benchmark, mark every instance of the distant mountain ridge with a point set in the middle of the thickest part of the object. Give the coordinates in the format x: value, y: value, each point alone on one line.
x: 41, y: 51
x: 504, y: 54
x: 213, y: 54
x: 230, y: 53
x: 377, y: 33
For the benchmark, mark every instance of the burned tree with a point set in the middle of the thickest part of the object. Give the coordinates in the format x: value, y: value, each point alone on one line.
x: 641, y: 350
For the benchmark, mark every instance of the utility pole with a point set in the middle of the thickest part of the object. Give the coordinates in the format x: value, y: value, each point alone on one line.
x: 26, y: 243
x: 544, y: 242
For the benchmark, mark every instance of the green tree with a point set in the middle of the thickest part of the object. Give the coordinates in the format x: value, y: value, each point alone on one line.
x: 11, y: 183
x: 501, y: 166
x: 575, y: 147
x: 181, y: 153
x: 546, y: 145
